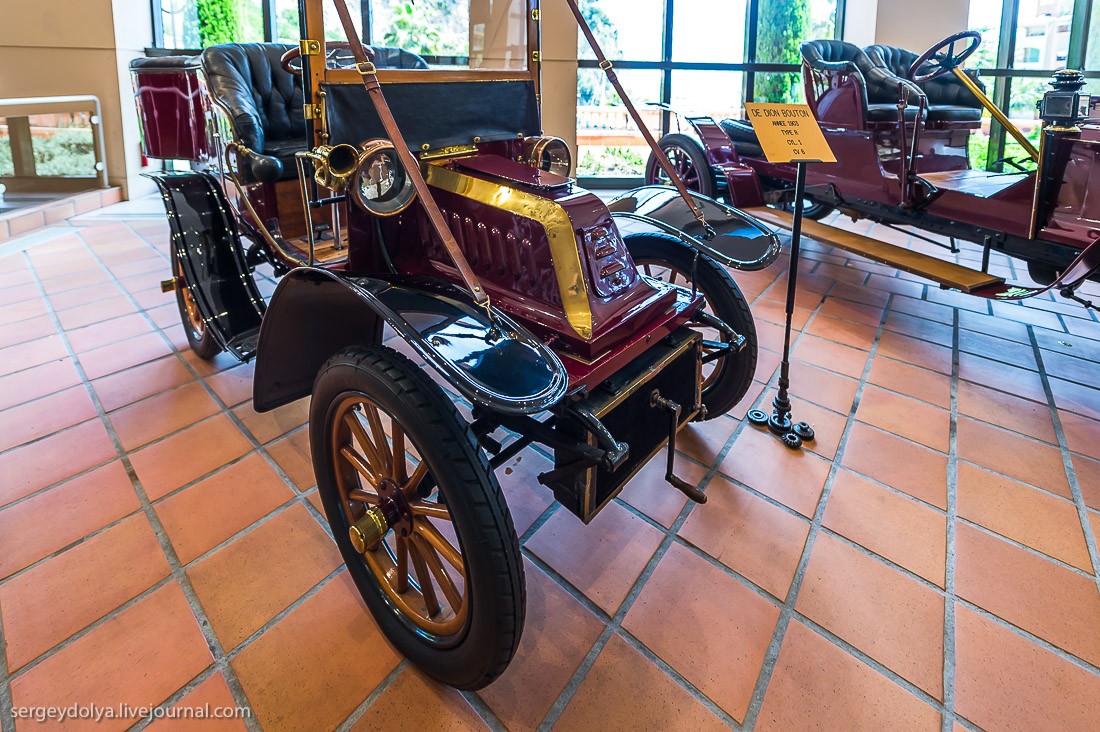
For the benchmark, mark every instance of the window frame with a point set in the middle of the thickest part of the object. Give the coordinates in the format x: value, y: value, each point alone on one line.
x: 667, y: 65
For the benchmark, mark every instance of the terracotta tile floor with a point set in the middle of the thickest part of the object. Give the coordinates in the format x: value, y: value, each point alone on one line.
x: 929, y: 563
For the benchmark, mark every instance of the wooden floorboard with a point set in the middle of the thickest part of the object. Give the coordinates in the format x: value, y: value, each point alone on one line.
x: 948, y: 274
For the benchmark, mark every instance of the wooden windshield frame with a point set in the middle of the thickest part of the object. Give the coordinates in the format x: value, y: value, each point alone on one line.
x: 312, y: 16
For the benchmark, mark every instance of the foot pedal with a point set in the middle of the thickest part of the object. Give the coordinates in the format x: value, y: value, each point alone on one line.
x: 667, y: 405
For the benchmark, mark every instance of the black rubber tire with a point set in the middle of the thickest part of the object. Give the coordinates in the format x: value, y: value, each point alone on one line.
x: 1042, y: 272
x: 724, y: 300
x: 811, y: 209
x: 480, y: 651
x: 205, y: 345
x: 695, y: 155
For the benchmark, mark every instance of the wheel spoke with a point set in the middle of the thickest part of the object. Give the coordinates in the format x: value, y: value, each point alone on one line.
x: 362, y: 496
x: 424, y: 579
x: 352, y: 420
x: 430, y: 534
x: 415, y: 479
x: 400, y: 469
x: 434, y: 510
x: 402, y: 583
x: 360, y: 464
x: 380, y: 441
x: 454, y: 597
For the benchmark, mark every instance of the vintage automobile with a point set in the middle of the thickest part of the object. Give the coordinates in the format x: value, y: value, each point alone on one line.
x: 422, y: 203
x: 899, y: 124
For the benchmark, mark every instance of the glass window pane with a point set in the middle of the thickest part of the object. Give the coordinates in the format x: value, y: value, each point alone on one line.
x: 250, y: 15
x: 716, y: 94
x: 985, y: 17
x: 484, y: 34
x: 1042, y: 34
x: 782, y: 26
x: 628, y: 30
x: 287, y: 29
x: 180, y: 20
x: 334, y: 31
x: 778, y: 87
x: 608, y: 142
x: 708, y: 32
x: 1092, y: 47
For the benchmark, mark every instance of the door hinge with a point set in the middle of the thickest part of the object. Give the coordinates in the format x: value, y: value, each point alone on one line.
x: 309, y: 47
x: 311, y: 111
x: 535, y: 57
x: 535, y: 14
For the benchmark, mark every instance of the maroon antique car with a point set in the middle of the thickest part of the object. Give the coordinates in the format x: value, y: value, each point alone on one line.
x: 398, y: 199
x: 899, y: 125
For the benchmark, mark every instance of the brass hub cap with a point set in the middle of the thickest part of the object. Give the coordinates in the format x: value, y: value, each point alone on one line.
x: 417, y: 563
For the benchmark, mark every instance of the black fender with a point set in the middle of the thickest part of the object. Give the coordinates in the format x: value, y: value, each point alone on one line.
x: 495, y: 363
x: 741, y: 241
x: 208, y: 248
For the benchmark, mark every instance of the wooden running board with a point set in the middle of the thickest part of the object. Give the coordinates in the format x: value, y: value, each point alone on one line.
x: 947, y: 274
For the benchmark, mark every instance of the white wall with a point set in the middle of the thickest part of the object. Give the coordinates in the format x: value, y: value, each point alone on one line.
x: 911, y: 24
x: 81, y: 47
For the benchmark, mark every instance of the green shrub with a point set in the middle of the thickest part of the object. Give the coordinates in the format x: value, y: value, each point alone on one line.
x: 68, y: 151
x: 783, y: 25
x: 219, y: 22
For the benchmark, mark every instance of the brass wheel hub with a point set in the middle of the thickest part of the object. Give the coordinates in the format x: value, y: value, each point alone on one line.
x: 407, y: 541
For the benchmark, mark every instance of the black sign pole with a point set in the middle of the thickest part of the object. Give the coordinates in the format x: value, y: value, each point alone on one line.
x: 793, y: 434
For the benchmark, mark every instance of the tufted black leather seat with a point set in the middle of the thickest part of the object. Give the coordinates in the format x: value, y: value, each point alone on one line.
x: 743, y: 136
x: 948, y: 99
x: 878, y: 85
x: 265, y: 101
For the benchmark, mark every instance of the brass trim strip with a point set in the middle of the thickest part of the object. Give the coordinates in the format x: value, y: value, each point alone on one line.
x: 996, y: 113
x: 564, y: 249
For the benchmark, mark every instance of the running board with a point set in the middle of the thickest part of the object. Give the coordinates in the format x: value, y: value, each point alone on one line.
x: 946, y: 274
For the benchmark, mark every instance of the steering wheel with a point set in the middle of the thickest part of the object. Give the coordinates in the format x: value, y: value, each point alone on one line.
x: 941, y: 58
x: 332, y: 49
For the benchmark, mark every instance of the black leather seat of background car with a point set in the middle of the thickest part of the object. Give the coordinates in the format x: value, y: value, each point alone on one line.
x: 265, y: 101
x: 948, y: 98
x: 878, y: 84
x: 743, y: 136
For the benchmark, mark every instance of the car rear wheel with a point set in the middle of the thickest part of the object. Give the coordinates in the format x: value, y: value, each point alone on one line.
x: 688, y: 160
x: 811, y: 209
x: 199, y: 336
x: 418, y: 516
x: 726, y: 379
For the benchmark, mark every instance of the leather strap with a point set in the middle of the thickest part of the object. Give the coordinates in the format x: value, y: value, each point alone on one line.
x: 412, y: 166
x: 658, y: 153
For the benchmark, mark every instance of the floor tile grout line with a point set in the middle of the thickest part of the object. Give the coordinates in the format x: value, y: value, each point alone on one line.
x: 7, y: 699
x: 670, y: 535
x: 177, y: 572
x: 1031, y: 637
x: 949, y: 553
x: 771, y: 656
x: 1067, y: 463
x: 361, y: 708
x: 299, y: 496
x: 483, y: 710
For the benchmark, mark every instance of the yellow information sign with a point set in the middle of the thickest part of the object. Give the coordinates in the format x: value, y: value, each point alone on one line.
x: 788, y: 133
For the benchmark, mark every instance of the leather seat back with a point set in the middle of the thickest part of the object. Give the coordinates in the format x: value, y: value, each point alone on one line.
x: 264, y: 101
x: 878, y: 84
x: 943, y: 91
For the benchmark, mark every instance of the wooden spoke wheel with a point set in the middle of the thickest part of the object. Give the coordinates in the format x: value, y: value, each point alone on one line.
x: 199, y: 337
x: 688, y: 160
x: 726, y: 378
x: 418, y: 516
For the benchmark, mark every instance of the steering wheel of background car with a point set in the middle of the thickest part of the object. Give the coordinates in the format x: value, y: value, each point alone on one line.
x: 942, y: 58
x: 333, y: 58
